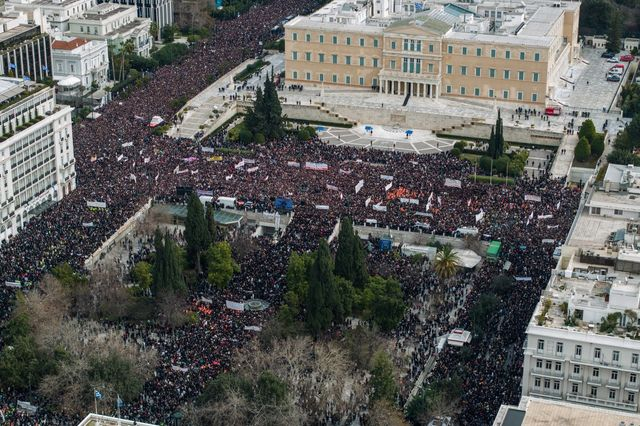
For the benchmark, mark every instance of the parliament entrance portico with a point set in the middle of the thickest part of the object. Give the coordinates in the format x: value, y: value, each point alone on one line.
x: 404, y: 87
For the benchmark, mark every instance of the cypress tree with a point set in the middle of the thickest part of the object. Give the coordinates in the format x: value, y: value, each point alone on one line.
x: 196, y: 232
x: 159, y: 265
x: 322, y: 296
x: 344, y: 254
x: 499, y: 143
x: 360, y: 272
x: 175, y: 280
x: 492, y: 142
x: 212, y: 226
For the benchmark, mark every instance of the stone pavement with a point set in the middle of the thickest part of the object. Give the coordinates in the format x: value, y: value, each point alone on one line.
x: 564, y: 157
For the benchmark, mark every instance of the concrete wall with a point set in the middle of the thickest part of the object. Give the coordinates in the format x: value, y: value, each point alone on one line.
x: 511, y: 134
x: 580, y: 174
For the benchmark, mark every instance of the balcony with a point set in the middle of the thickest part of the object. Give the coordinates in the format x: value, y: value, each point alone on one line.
x: 547, y: 393
x: 613, y: 384
x: 547, y: 373
x: 575, y: 377
x: 602, y: 403
x: 633, y: 387
x: 594, y: 381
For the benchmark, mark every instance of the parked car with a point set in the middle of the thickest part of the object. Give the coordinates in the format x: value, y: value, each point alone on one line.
x: 621, y: 66
x: 613, y: 60
x: 613, y: 77
x: 608, y: 55
x: 627, y: 58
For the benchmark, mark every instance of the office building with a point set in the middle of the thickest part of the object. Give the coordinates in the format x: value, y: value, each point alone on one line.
x: 37, y: 164
x: 393, y: 47
x: 85, y: 60
x: 52, y: 15
x: 159, y: 11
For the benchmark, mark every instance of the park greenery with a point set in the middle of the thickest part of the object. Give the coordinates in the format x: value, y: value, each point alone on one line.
x: 626, y: 144
x: 265, y: 116
x: 590, y: 143
x: 615, y: 18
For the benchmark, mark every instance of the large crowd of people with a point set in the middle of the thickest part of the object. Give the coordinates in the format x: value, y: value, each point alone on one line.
x: 121, y: 163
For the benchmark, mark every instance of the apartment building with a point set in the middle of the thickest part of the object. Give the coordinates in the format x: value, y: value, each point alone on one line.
x: 37, y: 164
x: 86, y: 60
x: 446, y: 51
x: 159, y: 11
x: 583, y: 340
x: 115, y: 24
x: 52, y: 15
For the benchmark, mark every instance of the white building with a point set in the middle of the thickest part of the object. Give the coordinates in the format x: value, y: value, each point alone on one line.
x: 116, y: 24
x: 583, y: 340
x: 159, y: 11
x: 85, y: 60
x: 52, y: 15
x: 619, y: 194
x: 37, y: 164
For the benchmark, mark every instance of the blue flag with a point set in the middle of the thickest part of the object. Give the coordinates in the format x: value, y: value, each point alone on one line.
x: 97, y: 394
x: 45, y: 68
x: 26, y: 78
x: 12, y: 66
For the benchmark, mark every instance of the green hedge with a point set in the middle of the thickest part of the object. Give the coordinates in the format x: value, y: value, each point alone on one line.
x: 496, y: 180
x: 250, y: 69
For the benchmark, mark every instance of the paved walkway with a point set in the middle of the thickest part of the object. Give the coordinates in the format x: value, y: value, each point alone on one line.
x: 564, y: 157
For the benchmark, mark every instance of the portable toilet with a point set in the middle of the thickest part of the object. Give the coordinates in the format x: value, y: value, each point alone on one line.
x: 386, y: 242
x: 494, y: 250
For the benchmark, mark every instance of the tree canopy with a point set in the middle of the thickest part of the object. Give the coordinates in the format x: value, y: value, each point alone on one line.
x: 221, y: 264
x: 265, y: 116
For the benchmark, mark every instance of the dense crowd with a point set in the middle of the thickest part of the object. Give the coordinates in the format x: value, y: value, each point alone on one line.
x: 125, y: 176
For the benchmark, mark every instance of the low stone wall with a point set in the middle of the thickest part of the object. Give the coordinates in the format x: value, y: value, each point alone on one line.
x: 511, y: 134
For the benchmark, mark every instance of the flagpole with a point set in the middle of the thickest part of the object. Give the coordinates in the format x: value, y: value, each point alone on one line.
x: 491, y: 174
x: 118, y: 404
x: 95, y: 400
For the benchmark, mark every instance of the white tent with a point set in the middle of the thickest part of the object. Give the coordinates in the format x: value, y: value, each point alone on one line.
x: 468, y: 258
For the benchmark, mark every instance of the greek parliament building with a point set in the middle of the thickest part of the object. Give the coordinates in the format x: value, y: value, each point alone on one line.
x: 37, y: 166
x: 492, y: 50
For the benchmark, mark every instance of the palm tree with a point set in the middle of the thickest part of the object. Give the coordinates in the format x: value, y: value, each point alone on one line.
x: 446, y: 262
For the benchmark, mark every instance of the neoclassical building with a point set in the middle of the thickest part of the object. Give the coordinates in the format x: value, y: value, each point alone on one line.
x: 445, y: 51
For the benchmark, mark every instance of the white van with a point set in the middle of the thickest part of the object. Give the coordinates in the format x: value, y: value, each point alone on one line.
x: 226, y: 202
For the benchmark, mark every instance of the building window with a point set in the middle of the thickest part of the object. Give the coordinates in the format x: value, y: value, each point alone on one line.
x: 448, y: 89
x: 361, y: 42
x: 361, y: 81
x: 430, y: 68
x: 534, y: 97
x: 308, y: 76
x: 507, y: 74
x: 507, y: 54
x: 307, y: 38
x: 559, y: 347
x: 321, y: 57
x: 520, y: 95
x: 463, y: 70
x: 536, y: 57
x: 596, y: 372
x: 374, y: 62
x: 294, y: 36
x: 321, y: 77
x: 612, y: 394
x: 631, y: 397
x: 449, y: 49
x: 536, y: 382
x: 574, y: 388
x: 536, y: 77
x: 616, y: 356
x: 348, y: 41
x: 392, y: 65
x: 334, y: 39
x: 556, y: 385
x: 334, y: 59
x: 334, y: 78
x: 449, y: 69
x: 307, y: 56
x: 492, y: 73
x: 520, y: 75
x: 294, y: 56
x: 614, y: 375
x: 596, y: 353
x: 547, y: 364
x: 479, y: 51
x: 576, y: 369
x: 505, y: 94
x: 295, y: 75
x: 393, y: 45
x: 547, y: 383
x: 478, y: 71
x: 558, y: 366
x: 476, y: 91
x: 431, y: 48
x: 347, y: 79
x: 464, y: 50
x: 594, y: 391
x: 347, y: 60
x: 463, y: 90
x: 615, y: 211
x: 361, y: 61
x: 321, y: 38
x: 632, y: 378
x: 634, y: 359
x: 493, y: 53
x: 491, y: 95
x: 375, y: 42
x: 522, y: 56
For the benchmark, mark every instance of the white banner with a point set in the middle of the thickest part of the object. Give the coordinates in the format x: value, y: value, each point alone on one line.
x: 380, y: 208
x: 252, y: 328
x: 240, y: 164
x: 228, y: 177
x: 386, y: 177
x: 293, y: 164
x: 529, y: 197
x: 180, y: 369
x: 480, y: 216
x: 120, y: 157
x: 179, y: 172
x: 205, y: 300
x: 332, y: 188
x: 322, y: 207
x: 248, y: 161
x: 344, y: 172
x: 316, y: 166
x: 371, y: 221
x: 207, y: 149
x: 359, y: 185
x: 388, y: 187
x: 88, y: 224
x: 147, y: 159
x: 454, y: 183
x: 127, y: 145
x: 545, y: 216
x: 14, y: 284
x: 252, y: 169
x: 97, y: 204
x: 133, y: 178
x: 367, y: 201
x: 236, y: 306
x: 414, y: 201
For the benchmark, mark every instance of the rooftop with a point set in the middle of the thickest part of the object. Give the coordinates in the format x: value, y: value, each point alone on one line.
x: 68, y: 44
x: 543, y: 412
x: 541, y: 21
